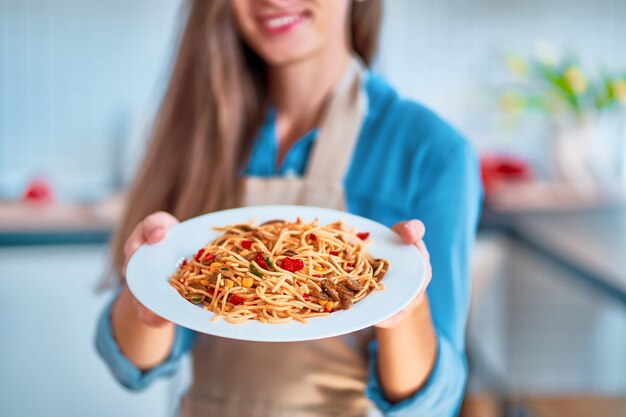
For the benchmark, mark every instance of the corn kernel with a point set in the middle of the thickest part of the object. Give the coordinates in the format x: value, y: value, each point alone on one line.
x: 330, y: 305
x: 247, y: 282
x: 204, y: 282
x: 323, y: 302
x: 229, y: 283
x: 215, y: 266
x: 319, y: 268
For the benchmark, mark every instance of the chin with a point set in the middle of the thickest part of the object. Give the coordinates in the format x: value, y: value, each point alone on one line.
x: 284, y: 58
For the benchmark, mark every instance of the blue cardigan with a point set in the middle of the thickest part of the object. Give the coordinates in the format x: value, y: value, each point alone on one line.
x: 408, y: 164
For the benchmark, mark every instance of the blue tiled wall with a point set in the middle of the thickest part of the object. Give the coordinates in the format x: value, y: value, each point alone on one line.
x: 79, y: 81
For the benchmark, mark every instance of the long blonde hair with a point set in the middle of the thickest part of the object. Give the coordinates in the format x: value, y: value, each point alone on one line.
x: 215, y: 102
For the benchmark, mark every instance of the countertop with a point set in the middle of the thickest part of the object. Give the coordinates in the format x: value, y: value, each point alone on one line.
x: 590, y: 243
x: 26, y: 223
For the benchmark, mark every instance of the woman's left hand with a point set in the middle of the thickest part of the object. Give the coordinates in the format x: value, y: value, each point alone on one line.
x: 411, y: 232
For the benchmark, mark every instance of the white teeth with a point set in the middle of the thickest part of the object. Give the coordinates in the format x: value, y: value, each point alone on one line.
x: 281, y: 21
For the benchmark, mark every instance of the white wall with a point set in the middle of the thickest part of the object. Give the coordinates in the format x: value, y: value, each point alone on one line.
x: 78, y: 79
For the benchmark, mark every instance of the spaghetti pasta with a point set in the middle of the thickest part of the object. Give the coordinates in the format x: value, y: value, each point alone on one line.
x: 280, y: 271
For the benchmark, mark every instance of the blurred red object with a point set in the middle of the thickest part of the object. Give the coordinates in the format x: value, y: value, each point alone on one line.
x: 39, y: 191
x: 497, y: 170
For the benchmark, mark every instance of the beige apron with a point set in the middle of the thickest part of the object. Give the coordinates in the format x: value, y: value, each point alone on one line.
x: 299, y: 379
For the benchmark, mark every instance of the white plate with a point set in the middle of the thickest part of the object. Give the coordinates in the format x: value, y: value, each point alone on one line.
x: 151, y: 266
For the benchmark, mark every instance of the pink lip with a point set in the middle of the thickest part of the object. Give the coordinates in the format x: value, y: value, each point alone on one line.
x: 283, y: 27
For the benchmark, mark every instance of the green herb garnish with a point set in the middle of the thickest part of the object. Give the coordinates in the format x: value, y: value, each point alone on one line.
x: 197, y: 299
x: 255, y: 271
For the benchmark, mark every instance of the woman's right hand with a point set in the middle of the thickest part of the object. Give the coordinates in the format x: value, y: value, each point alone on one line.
x: 150, y: 230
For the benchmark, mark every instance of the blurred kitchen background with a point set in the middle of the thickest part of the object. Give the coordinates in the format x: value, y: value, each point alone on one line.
x: 539, y: 88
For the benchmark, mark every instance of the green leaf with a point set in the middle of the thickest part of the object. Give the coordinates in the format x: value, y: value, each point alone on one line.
x: 255, y: 271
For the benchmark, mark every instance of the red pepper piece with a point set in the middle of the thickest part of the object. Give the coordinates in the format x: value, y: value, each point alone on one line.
x: 236, y: 300
x: 292, y: 265
x: 334, y: 252
x: 306, y: 297
x: 350, y: 265
x: 209, y: 257
x: 313, y: 237
x: 261, y: 261
x: 316, y: 276
x: 363, y: 235
x: 246, y: 244
x: 184, y: 263
x: 199, y: 254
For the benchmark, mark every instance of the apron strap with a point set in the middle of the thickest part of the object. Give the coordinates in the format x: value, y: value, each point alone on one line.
x: 340, y: 127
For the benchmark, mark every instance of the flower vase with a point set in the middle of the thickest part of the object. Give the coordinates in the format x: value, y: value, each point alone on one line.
x: 572, y: 154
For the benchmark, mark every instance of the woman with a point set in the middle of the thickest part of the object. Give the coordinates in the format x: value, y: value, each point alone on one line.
x: 270, y: 102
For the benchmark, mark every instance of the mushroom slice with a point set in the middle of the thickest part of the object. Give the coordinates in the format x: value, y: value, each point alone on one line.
x: 353, y: 284
x: 331, y: 289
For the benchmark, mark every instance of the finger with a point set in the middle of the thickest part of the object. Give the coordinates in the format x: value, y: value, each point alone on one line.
x: 135, y: 239
x: 150, y: 319
x: 393, y: 320
x: 133, y: 242
x: 421, y: 247
x: 411, y: 231
x: 151, y: 230
x: 156, y: 225
x: 405, y: 312
x: 418, y: 229
x: 406, y: 234
x: 147, y: 316
x: 428, y: 278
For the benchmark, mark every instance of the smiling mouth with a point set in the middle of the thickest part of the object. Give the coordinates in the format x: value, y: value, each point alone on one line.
x: 282, y: 23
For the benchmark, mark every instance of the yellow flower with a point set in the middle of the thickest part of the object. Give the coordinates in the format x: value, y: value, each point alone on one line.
x: 517, y: 65
x: 576, y: 80
x: 512, y: 103
x: 619, y: 88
